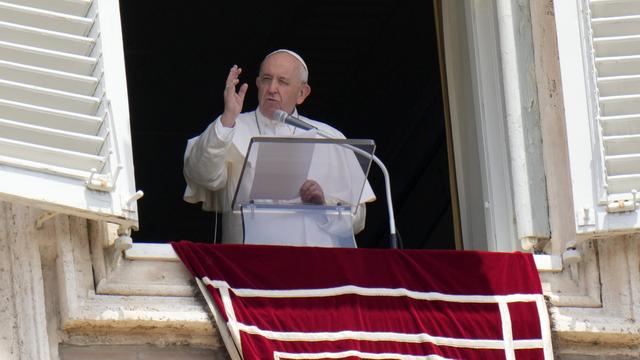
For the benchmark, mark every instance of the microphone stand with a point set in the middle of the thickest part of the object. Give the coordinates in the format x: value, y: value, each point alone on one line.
x: 393, y: 237
x: 290, y: 120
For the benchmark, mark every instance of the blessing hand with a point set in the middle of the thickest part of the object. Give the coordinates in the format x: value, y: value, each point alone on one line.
x: 233, y: 100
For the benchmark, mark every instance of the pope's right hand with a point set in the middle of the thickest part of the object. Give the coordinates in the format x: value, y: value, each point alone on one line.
x: 233, y: 100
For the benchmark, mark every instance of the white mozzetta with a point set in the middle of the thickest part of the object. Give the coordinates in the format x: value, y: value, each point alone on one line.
x: 64, y: 119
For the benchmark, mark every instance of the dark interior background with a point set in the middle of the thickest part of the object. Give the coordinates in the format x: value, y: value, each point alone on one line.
x: 373, y: 71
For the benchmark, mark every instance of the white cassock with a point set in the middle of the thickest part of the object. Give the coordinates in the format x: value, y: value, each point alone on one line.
x: 213, y: 164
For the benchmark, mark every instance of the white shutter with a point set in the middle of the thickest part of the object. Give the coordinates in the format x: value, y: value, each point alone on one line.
x: 615, y: 27
x: 599, y: 55
x: 65, y: 142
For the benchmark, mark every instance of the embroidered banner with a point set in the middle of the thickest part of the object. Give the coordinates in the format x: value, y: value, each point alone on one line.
x: 284, y: 302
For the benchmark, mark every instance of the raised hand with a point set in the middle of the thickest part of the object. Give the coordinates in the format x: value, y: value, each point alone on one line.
x: 233, y: 100
x: 311, y: 193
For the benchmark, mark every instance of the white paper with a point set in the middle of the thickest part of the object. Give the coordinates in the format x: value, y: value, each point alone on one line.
x: 281, y: 169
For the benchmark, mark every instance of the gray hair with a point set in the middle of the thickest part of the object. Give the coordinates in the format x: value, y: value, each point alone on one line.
x: 304, y: 70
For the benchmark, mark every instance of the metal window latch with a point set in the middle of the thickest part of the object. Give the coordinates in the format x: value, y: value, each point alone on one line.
x: 623, y: 204
x: 100, y: 182
x: 128, y: 202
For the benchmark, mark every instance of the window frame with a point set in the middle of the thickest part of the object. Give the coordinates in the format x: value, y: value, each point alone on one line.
x: 118, y: 275
x: 471, y: 52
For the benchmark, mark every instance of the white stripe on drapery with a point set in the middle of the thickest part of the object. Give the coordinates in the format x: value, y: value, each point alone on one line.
x: 507, y: 332
x: 507, y: 343
x: 232, y: 322
x: 229, y: 342
x: 357, y: 290
x: 545, y: 328
x: 386, y: 336
x: 362, y: 355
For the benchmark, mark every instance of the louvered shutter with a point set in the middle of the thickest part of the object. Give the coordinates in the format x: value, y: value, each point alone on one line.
x: 64, y: 121
x: 599, y: 56
x: 615, y: 27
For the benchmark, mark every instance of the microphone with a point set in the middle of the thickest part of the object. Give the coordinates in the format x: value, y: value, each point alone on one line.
x: 285, y: 118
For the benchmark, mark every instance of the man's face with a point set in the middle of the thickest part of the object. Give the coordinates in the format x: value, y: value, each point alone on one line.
x: 279, y: 84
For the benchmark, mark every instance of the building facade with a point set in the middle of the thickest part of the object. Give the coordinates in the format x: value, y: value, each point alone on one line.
x: 543, y: 102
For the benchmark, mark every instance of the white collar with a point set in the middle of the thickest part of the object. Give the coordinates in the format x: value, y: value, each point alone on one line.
x: 266, y: 122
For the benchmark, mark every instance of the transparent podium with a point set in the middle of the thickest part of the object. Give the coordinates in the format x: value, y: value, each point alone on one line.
x: 268, y: 200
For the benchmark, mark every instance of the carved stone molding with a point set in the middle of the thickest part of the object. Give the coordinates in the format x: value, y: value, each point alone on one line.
x: 616, y: 277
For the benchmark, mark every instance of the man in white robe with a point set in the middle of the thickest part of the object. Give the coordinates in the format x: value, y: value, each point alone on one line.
x: 213, y: 160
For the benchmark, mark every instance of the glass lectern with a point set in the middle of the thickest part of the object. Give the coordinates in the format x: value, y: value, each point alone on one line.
x: 268, y: 199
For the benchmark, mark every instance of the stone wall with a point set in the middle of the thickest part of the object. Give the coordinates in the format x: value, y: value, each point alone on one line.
x: 50, y: 309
